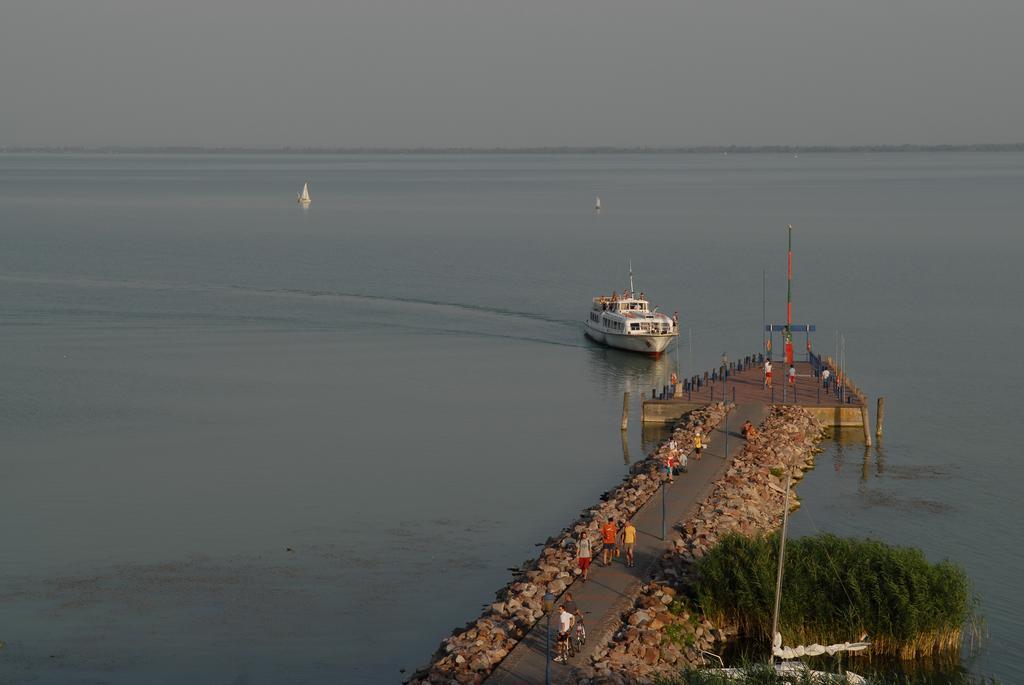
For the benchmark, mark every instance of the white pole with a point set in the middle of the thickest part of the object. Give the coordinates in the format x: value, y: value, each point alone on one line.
x: 782, y: 556
x: 689, y: 335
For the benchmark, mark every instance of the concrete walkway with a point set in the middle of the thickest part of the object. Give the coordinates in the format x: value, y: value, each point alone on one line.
x: 610, y: 590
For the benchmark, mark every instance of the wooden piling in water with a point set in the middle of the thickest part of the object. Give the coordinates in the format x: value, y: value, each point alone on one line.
x: 865, y: 415
x: 625, y: 410
x: 880, y: 417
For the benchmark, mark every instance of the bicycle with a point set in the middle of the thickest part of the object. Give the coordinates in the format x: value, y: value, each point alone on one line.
x: 563, y: 647
x: 579, y: 635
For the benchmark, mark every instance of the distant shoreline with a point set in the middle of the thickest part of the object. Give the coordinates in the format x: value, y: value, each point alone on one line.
x: 697, y: 149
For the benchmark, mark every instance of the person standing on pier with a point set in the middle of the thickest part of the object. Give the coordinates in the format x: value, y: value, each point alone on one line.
x: 609, y: 534
x: 584, y: 554
x: 629, y: 541
x: 570, y: 604
x: 768, y: 373
x: 679, y: 455
x: 670, y: 466
x: 824, y: 378
x: 698, y: 443
x: 792, y: 376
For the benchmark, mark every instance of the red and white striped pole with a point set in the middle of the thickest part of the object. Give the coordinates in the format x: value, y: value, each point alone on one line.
x: 789, y: 300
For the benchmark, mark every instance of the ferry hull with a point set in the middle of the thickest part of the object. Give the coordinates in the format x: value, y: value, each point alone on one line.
x: 647, y: 344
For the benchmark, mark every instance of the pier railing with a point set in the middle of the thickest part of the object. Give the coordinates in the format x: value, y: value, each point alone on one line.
x: 713, y: 385
x: 703, y: 387
x: 838, y: 383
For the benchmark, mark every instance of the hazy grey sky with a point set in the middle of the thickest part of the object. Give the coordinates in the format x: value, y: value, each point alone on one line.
x: 510, y: 72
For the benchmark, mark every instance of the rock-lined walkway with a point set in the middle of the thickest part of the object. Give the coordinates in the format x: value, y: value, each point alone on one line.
x: 613, y: 590
x: 662, y: 631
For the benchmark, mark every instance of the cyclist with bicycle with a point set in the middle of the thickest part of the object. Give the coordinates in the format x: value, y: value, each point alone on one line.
x: 566, y: 621
x: 580, y: 632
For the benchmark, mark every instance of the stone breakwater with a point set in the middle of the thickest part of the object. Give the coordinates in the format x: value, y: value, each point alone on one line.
x: 472, y: 652
x: 663, y: 632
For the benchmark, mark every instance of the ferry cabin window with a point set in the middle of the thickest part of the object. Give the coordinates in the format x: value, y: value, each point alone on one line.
x: 634, y: 327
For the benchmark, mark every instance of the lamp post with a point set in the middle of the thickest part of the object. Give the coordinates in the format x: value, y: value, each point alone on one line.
x: 663, y: 508
x: 725, y: 374
x: 549, y: 606
x: 727, y: 433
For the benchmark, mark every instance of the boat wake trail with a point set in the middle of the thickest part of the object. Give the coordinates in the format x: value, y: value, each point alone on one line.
x: 498, y: 311
x: 396, y: 311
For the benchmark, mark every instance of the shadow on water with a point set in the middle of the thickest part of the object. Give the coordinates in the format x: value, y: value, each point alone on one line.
x: 619, y: 371
x: 652, y: 435
x: 847, y: 444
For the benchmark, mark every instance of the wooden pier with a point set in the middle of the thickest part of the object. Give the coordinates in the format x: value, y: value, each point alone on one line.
x: 743, y: 383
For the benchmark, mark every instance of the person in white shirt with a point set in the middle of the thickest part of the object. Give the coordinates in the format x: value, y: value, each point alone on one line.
x: 824, y: 377
x: 584, y: 554
x: 768, y: 374
x: 565, y: 623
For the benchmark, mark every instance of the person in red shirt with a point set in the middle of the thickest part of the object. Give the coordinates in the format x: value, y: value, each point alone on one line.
x: 609, y: 533
x: 583, y: 554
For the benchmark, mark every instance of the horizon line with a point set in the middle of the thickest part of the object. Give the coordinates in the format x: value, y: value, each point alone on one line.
x: 539, y: 149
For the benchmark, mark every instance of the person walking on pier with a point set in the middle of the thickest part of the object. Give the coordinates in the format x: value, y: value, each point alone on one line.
x: 792, y: 376
x: 698, y: 443
x: 629, y: 541
x: 609, y: 534
x: 767, y: 373
x: 668, y: 464
x: 584, y: 554
x: 824, y: 378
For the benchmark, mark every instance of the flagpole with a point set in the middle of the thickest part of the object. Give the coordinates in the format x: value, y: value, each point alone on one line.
x: 789, y: 299
x: 764, y: 316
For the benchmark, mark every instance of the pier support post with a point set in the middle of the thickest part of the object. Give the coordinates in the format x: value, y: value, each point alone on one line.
x: 625, y: 410
x: 865, y: 417
x: 880, y: 418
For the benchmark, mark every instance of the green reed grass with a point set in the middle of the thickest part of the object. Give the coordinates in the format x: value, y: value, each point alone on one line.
x: 836, y: 589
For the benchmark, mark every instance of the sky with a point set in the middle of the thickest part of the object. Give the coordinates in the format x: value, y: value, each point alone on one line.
x: 510, y: 73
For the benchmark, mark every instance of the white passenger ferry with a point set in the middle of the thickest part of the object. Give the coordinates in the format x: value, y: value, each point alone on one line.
x: 625, y: 321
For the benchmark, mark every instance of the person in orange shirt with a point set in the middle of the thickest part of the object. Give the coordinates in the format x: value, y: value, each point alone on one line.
x: 609, y: 533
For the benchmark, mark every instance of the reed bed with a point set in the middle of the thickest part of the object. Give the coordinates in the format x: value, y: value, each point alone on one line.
x: 835, y: 590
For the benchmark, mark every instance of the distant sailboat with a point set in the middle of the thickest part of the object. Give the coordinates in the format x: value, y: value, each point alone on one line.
x: 304, y: 195
x: 597, y: 204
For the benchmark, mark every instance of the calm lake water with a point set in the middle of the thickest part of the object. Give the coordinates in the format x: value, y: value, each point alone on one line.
x: 249, y: 443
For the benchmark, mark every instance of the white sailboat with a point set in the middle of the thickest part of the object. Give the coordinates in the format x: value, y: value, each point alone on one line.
x: 597, y: 204
x: 304, y: 195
